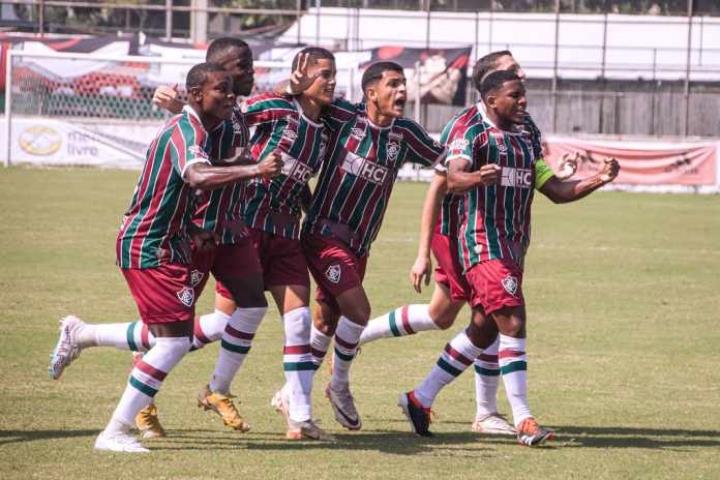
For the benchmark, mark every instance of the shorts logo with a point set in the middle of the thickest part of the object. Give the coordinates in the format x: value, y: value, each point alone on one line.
x: 196, y: 277
x: 333, y: 273
x: 186, y: 296
x: 393, y: 150
x: 510, y: 284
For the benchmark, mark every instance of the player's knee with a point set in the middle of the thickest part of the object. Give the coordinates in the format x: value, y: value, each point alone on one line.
x: 444, y: 320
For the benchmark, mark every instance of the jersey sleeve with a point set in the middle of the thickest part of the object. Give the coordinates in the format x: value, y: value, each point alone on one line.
x: 267, y: 107
x: 187, y: 146
x: 459, y: 144
x: 543, y: 173
x: 340, y: 111
x: 422, y: 148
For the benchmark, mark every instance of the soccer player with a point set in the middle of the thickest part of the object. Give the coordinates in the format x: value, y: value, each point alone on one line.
x: 234, y: 262
x: 492, y: 158
x: 368, y: 144
x: 153, y: 245
x: 438, y: 233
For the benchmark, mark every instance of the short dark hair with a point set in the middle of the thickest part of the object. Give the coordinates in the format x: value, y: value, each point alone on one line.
x: 376, y: 70
x: 495, y: 80
x: 486, y: 65
x: 219, y: 46
x: 314, y: 54
x: 198, y: 74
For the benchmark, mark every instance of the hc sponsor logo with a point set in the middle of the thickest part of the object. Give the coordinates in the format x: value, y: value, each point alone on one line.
x: 363, y: 168
x: 516, y: 177
x: 296, y: 170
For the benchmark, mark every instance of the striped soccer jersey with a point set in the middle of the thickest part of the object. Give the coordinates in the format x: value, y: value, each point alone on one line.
x: 360, y: 169
x: 450, y: 216
x: 154, y: 228
x: 221, y: 210
x: 495, y: 219
x: 274, y: 205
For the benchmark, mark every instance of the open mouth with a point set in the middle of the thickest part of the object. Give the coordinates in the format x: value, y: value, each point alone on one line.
x: 400, y: 103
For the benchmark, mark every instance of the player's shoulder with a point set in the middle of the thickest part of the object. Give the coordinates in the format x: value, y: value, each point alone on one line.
x: 341, y: 103
x: 270, y: 100
x: 408, y: 125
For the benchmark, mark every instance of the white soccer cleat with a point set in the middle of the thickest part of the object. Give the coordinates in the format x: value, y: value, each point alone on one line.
x: 119, y: 442
x: 66, y: 349
x: 306, y: 430
x: 492, y: 424
x: 343, y: 405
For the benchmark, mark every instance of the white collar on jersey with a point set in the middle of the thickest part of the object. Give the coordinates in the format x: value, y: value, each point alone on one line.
x: 483, y: 112
x: 378, y: 127
x: 302, y: 114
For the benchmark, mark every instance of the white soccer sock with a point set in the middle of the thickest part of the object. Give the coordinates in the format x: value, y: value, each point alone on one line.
x: 209, y: 328
x: 145, y: 380
x: 319, y: 344
x: 133, y: 336
x: 347, y: 335
x: 457, y: 356
x: 234, y: 346
x: 513, y: 367
x: 298, y: 363
x: 406, y: 320
x: 487, y: 376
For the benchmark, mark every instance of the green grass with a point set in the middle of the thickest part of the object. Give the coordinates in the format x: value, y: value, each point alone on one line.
x: 624, y: 316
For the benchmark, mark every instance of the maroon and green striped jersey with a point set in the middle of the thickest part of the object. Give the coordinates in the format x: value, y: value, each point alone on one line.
x: 359, y: 171
x: 221, y: 210
x: 154, y: 230
x: 496, y: 218
x: 274, y: 205
x: 450, y: 217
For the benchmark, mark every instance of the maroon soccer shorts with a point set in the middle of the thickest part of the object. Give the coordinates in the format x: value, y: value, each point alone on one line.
x: 448, y: 271
x: 163, y: 294
x: 226, y: 262
x: 334, y: 267
x: 495, y: 284
x: 281, y: 259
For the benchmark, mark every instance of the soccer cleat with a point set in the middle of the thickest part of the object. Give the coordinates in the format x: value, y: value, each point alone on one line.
x: 343, y: 405
x: 307, y: 430
x: 66, y: 349
x: 148, y: 423
x: 492, y: 424
x: 417, y: 415
x: 223, y: 406
x: 119, y: 442
x: 529, y: 433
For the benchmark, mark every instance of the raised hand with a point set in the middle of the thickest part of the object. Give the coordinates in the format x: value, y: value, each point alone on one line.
x: 167, y: 98
x: 610, y: 170
x: 270, y: 166
x: 568, y: 166
x: 300, y: 80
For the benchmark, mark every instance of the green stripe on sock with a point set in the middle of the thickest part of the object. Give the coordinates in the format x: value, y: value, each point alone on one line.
x: 448, y: 368
x: 146, y: 389
x: 494, y: 372
x: 298, y: 366
x: 131, y: 337
x: 343, y: 356
x: 393, y: 324
x: 513, y: 367
x: 234, y: 348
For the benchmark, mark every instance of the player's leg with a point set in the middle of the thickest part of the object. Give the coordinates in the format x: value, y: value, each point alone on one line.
x: 169, y: 315
x: 238, y: 270
x: 326, y: 315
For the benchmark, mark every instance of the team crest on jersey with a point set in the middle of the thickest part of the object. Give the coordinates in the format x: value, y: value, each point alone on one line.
x: 510, y: 284
x: 393, y: 150
x: 289, y: 134
x: 196, y: 277
x: 357, y: 133
x: 186, y: 296
x: 501, y: 147
x: 334, y: 273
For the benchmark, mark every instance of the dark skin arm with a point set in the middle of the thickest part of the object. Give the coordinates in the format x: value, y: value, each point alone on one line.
x: 460, y: 180
x: 209, y: 177
x: 559, y: 191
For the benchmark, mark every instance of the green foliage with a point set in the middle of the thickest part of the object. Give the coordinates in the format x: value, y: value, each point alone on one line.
x: 623, y: 305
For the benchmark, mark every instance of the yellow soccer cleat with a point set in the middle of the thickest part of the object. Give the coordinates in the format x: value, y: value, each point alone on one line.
x: 148, y: 422
x: 223, y: 406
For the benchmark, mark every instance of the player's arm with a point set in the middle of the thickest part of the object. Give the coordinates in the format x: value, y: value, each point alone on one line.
x: 559, y: 191
x: 167, y: 98
x: 422, y: 267
x: 460, y: 178
x: 208, y: 177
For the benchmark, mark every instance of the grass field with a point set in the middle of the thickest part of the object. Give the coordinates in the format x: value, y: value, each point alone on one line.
x: 623, y: 297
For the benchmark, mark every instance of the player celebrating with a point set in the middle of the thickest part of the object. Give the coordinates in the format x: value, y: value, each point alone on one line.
x: 493, y: 159
x: 153, y: 246
x: 438, y: 232
x: 367, y: 147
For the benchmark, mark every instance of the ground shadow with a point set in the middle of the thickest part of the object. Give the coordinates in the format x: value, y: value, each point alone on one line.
x: 22, y: 436
x: 636, y: 437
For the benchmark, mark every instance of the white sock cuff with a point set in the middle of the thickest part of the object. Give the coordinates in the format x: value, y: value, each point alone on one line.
x: 247, y: 319
x: 348, y: 330
x: 463, y: 345
x: 167, y: 352
x: 492, y: 349
x: 296, y: 324
x: 319, y: 335
x: 507, y: 342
